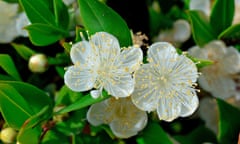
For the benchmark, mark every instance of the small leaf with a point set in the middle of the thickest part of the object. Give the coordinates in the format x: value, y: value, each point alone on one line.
x: 229, y: 125
x: 29, y: 136
x: 42, y: 34
x: 24, y: 51
x: 233, y: 32
x: 7, y: 64
x: 154, y: 133
x: 200, y: 63
x: 38, y: 11
x: 201, y: 29
x: 222, y: 15
x: 98, y: 17
x: 82, y: 103
x: 14, y: 108
x: 61, y: 14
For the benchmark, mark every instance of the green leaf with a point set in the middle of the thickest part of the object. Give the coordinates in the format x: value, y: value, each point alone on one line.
x: 201, y: 29
x: 7, y: 64
x: 43, y: 34
x: 97, y: 17
x: 200, y: 63
x: 38, y: 11
x: 24, y: 51
x: 14, y: 108
x: 222, y: 15
x: 29, y: 136
x: 233, y: 32
x: 82, y: 103
x: 198, y: 136
x: 154, y: 133
x: 11, y: 1
x: 36, y: 98
x: 61, y: 14
x: 229, y: 125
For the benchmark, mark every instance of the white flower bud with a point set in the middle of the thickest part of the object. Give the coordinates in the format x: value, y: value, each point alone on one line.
x: 8, y: 135
x: 38, y: 63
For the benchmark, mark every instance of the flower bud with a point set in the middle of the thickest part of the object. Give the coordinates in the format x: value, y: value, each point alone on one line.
x: 8, y: 135
x: 38, y: 63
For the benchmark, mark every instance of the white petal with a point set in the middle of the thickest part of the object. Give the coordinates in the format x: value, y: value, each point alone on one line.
x: 122, y: 131
x: 83, y: 54
x: 168, y: 109
x: 196, y: 51
x: 145, y: 97
x: 108, y: 45
x: 97, y: 114
x: 231, y: 61
x: 182, y: 30
x: 215, y: 50
x: 189, y: 103
x: 130, y: 59
x: 95, y: 93
x: 120, y: 85
x: 79, y: 79
x: 161, y: 51
x: 22, y: 21
x: 202, y: 5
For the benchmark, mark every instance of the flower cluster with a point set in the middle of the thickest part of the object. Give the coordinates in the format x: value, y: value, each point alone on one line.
x: 166, y: 83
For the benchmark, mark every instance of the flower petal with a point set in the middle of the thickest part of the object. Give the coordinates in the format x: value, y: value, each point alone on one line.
x: 79, y: 79
x: 215, y: 50
x: 97, y: 114
x: 182, y: 30
x: 202, y: 5
x: 145, y: 96
x: 120, y: 85
x: 82, y: 53
x: 231, y: 61
x: 168, y: 109
x: 108, y: 45
x: 130, y: 59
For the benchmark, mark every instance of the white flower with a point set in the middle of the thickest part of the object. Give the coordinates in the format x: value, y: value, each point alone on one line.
x: 22, y: 21
x: 218, y: 77
x: 166, y: 84
x: 8, y: 14
x: 180, y: 33
x: 201, y: 5
x: 123, y: 117
x: 68, y: 2
x: 100, y: 64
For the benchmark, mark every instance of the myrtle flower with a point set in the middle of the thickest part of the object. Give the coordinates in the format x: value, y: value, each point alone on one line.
x: 99, y: 63
x: 218, y: 77
x: 8, y: 14
x: 180, y: 33
x: 22, y: 21
x: 166, y: 83
x: 123, y: 117
x: 201, y: 5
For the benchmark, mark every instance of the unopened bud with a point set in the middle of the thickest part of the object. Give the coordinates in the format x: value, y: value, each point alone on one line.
x: 8, y: 135
x: 38, y: 63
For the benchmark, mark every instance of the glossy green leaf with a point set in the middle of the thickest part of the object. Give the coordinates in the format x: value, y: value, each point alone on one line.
x: 83, y: 102
x: 30, y: 135
x: 7, y: 64
x: 24, y: 51
x: 97, y: 17
x: 233, y: 32
x: 61, y: 14
x: 229, y: 124
x: 222, y: 15
x: 36, y: 98
x: 14, y: 108
x: 154, y: 133
x: 43, y: 34
x: 198, y: 136
x: 11, y: 1
x: 201, y: 29
x: 38, y: 11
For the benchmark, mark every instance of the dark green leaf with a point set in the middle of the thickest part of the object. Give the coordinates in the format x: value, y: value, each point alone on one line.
x: 61, y: 14
x: 231, y: 33
x: 83, y: 102
x: 43, y: 34
x: 222, y: 15
x: 198, y: 136
x: 201, y: 29
x: 229, y: 124
x: 24, y: 51
x: 14, y: 108
x: 38, y: 11
x: 30, y: 135
x: 154, y: 133
x: 11, y: 1
x: 98, y: 17
x: 36, y: 98
x: 55, y: 137
x: 7, y: 64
